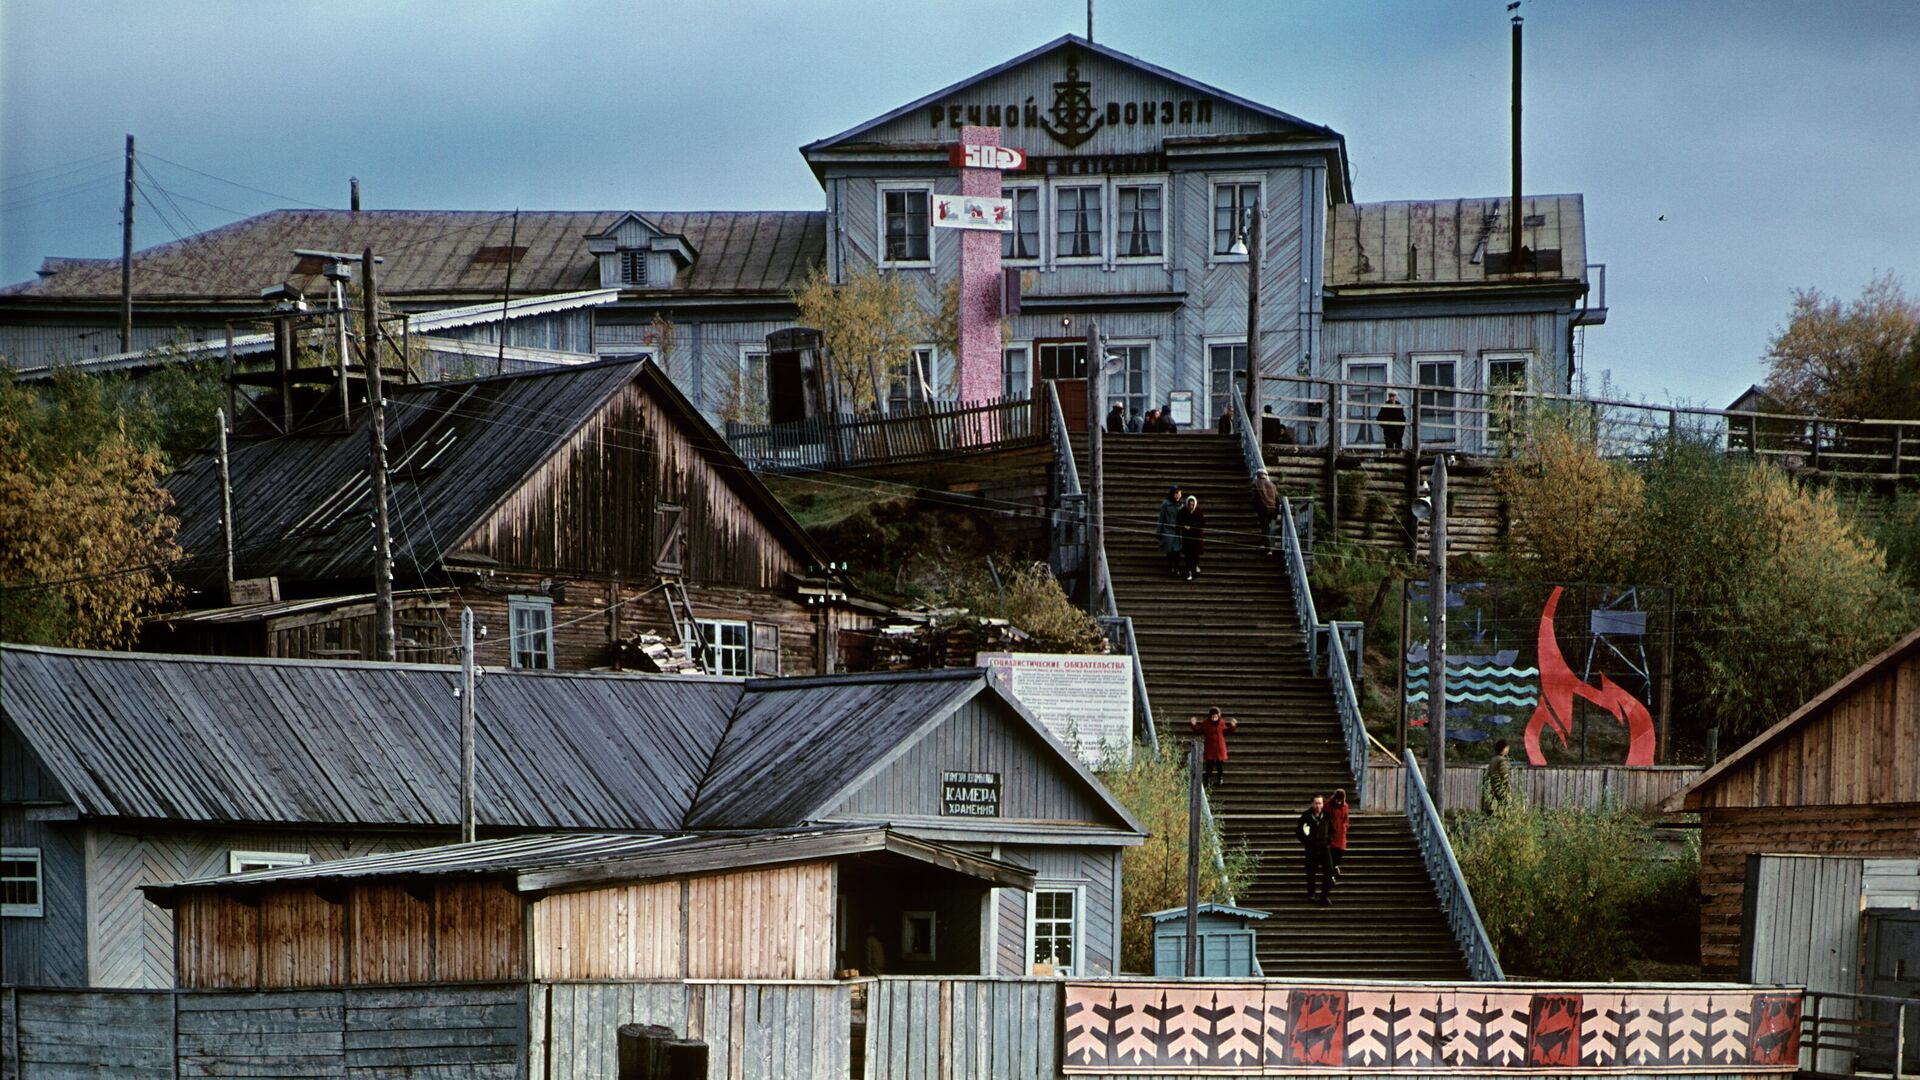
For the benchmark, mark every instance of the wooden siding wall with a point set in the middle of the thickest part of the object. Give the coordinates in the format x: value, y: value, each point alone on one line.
x: 621, y: 932
x: 1863, y: 747
x: 1805, y: 914
x: 50, y: 950
x: 1891, y: 883
x: 754, y: 1031
x: 1097, y: 872
x: 1542, y: 333
x: 1728, y: 836
x: 475, y: 1032
x: 762, y: 924
x: 588, y: 512
x: 132, y: 940
x: 373, y: 935
x: 928, y: 1029
x: 1588, y: 787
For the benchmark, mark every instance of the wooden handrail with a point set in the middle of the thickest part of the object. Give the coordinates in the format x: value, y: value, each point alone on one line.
x: 1430, y: 833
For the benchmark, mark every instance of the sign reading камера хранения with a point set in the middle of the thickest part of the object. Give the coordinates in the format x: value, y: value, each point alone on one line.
x: 969, y: 794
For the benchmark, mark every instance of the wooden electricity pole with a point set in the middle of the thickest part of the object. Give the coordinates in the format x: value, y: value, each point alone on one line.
x: 468, y: 728
x: 377, y: 406
x: 1437, y: 635
x: 1194, y: 796
x: 126, y: 257
x: 1096, y: 473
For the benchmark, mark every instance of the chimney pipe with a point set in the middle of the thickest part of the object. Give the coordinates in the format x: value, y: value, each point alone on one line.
x: 354, y: 181
x: 1515, y: 212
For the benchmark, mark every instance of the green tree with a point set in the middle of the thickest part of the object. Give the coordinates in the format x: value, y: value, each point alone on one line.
x: 1153, y: 786
x: 1857, y: 359
x: 1574, y: 513
x: 871, y: 324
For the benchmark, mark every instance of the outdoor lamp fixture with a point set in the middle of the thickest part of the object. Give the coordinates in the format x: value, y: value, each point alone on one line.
x: 1423, y: 506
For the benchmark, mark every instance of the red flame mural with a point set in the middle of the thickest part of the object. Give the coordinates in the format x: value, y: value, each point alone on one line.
x: 1559, y: 686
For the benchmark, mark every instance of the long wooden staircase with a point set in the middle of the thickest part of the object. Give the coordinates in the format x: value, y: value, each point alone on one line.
x: 1231, y: 638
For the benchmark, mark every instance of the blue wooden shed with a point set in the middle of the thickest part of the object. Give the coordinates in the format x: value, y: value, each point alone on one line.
x: 1226, y: 941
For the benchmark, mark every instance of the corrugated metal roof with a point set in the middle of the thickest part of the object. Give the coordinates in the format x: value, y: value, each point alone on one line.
x: 432, y: 253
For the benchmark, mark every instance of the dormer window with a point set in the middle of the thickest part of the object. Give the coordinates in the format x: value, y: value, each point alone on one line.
x: 633, y: 268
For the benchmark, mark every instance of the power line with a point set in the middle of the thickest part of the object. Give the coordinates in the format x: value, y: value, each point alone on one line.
x: 236, y: 183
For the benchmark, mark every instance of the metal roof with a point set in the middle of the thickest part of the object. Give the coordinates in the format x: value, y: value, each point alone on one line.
x: 433, y: 253
x: 1208, y: 908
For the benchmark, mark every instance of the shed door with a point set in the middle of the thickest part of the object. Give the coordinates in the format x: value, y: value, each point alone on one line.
x: 1893, y: 970
x: 669, y: 539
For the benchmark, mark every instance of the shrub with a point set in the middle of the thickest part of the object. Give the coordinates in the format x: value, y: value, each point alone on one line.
x: 1154, y: 875
x: 1031, y: 598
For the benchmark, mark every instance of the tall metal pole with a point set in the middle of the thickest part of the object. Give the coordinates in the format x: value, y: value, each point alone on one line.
x: 126, y: 257
x: 1249, y: 409
x: 377, y: 406
x: 1516, y: 214
x: 1437, y: 636
x: 1096, y: 472
x: 226, y: 498
x: 468, y: 727
x: 1193, y: 858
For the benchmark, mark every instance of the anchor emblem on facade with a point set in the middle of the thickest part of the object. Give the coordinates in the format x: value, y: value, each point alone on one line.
x: 1072, y: 109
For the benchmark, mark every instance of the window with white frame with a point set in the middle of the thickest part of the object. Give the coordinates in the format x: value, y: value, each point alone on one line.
x: 1360, y: 404
x: 906, y: 225
x: 240, y: 862
x: 633, y: 267
x: 21, y: 892
x: 1226, y: 375
x: 1076, y: 218
x: 729, y: 646
x: 1023, y: 243
x: 1130, y: 368
x: 1016, y: 372
x: 1053, y: 927
x: 1231, y: 202
x: 1507, y: 370
x: 530, y: 631
x: 1139, y: 234
x: 1440, y: 372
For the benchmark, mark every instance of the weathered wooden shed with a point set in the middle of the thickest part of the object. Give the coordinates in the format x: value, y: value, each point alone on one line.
x: 121, y: 770
x: 1840, y: 776
x: 759, y: 905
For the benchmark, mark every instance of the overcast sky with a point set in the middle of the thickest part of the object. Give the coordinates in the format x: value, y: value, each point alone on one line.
x: 1729, y: 152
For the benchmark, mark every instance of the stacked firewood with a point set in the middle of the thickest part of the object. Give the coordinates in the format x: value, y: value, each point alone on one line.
x: 649, y: 651
x: 940, y: 640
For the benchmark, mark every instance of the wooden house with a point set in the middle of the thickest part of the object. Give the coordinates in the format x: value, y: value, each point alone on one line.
x: 759, y: 905
x: 1840, y: 776
x: 571, y: 509
x: 121, y: 770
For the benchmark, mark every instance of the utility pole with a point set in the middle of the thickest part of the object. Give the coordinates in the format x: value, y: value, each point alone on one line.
x: 1249, y: 408
x: 339, y: 273
x: 226, y: 498
x: 1517, y: 220
x: 1437, y: 634
x: 468, y: 726
x: 1194, y: 796
x: 126, y: 257
x: 377, y: 406
x: 1096, y: 488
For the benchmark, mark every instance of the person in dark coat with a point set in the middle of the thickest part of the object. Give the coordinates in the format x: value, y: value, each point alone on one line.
x: 1133, y: 423
x: 1271, y: 429
x: 1169, y: 528
x: 1224, y: 425
x: 1266, y: 502
x: 1117, y: 419
x: 1167, y: 425
x: 1213, y: 738
x: 1392, y: 420
x: 1315, y: 831
x: 1337, y: 816
x: 1192, y: 522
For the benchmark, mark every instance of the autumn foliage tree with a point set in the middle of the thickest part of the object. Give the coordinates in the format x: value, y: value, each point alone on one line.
x: 1854, y: 359
x: 871, y: 323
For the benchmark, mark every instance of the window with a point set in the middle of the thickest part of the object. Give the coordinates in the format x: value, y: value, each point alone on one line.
x: 1227, y: 372
x: 1506, y: 380
x: 1507, y: 371
x: 753, y: 384
x: 1437, y: 421
x: 1127, y: 378
x: 239, y: 862
x: 1053, y: 926
x: 1140, y: 233
x: 907, y: 229
x: 530, y: 631
x: 1024, y: 241
x: 1362, y: 403
x: 20, y: 892
x: 916, y: 384
x: 1076, y: 216
x: 633, y: 268
x: 1016, y: 376
x: 1062, y: 359
x: 729, y: 645
x: 1230, y: 205
x: 917, y: 936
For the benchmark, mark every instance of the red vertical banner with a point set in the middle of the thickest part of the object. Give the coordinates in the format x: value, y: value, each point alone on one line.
x: 1553, y: 1031
x: 1317, y: 1028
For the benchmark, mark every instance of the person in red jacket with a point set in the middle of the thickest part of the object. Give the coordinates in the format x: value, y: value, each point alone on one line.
x: 1337, y: 817
x: 1213, y: 735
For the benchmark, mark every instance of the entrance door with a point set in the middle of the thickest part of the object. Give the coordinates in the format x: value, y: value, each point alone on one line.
x: 1226, y: 375
x: 1892, y: 970
x: 1361, y: 403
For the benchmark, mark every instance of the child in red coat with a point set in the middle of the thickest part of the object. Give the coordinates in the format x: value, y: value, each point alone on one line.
x: 1337, y: 817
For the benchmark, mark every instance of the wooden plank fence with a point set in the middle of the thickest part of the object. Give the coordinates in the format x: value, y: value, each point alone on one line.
x: 932, y: 1029
x: 916, y: 433
x: 1585, y: 786
x: 754, y: 1031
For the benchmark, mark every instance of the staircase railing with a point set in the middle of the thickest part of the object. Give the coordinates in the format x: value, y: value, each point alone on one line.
x: 1340, y: 639
x: 1430, y: 833
x: 1067, y: 553
x: 1119, y: 631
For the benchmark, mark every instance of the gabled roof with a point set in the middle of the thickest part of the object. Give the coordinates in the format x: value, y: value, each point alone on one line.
x: 440, y: 253
x: 456, y: 449
x: 535, y: 864
x: 1065, y: 41
x: 1690, y: 797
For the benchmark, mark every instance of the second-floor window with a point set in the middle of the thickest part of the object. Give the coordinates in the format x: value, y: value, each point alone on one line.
x: 1077, y: 222
x: 1139, y: 233
x: 1231, y: 202
x: 1024, y: 241
x: 633, y: 268
x: 907, y: 228
x: 530, y: 631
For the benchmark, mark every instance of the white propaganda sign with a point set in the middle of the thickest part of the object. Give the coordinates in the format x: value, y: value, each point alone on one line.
x: 973, y: 212
x: 1086, y: 701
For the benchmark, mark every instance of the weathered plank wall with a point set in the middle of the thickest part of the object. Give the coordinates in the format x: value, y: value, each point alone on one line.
x: 1728, y: 836
x: 58, y: 1034
x: 928, y: 1029
x: 754, y: 1031
x: 1805, y: 917
x: 52, y: 949
x: 1631, y: 788
x: 621, y: 932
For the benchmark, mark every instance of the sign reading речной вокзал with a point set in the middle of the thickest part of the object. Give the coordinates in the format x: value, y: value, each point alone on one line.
x: 969, y: 794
